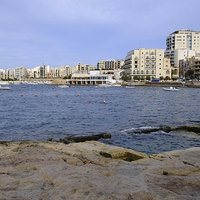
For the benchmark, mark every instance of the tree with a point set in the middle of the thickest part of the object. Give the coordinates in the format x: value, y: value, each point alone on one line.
x: 161, y: 78
x: 167, y: 78
x: 136, y: 78
x: 67, y: 77
x: 148, y: 78
x: 174, y: 78
x: 190, y: 73
x: 126, y: 77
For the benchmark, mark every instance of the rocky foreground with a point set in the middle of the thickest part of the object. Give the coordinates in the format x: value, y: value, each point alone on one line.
x: 92, y: 170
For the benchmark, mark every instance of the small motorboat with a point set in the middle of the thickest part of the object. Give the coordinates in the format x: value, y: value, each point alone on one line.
x: 4, y: 88
x: 63, y: 86
x: 171, y: 89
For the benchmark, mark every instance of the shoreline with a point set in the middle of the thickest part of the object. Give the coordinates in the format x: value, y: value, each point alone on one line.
x: 93, y: 170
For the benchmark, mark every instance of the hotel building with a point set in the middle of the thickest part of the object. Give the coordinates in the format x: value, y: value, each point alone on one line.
x: 147, y: 62
x: 181, y: 40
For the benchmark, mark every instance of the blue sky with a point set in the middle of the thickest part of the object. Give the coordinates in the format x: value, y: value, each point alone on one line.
x: 68, y: 32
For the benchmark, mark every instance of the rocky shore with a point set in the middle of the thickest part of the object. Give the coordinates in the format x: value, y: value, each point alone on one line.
x: 92, y: 170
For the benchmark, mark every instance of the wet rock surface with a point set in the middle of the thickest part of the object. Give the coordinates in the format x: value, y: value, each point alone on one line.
x: 195, y: 129
x: 92, y: 170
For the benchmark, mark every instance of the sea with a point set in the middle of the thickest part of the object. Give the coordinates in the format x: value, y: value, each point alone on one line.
x: 39, y: 112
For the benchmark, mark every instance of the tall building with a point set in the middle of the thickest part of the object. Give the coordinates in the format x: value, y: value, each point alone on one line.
x: 21, y: 73
x: 182, y: 39
x: 84, y: 68
x: 147, y: 62
x: 109, y: 64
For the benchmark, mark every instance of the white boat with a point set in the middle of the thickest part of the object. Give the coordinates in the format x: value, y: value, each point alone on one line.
x: 4, y: 83
x: 130, y: 86
x: 171, y: 89
x: 63, y: 86
x: 105, y: 85
x: 4, y: 88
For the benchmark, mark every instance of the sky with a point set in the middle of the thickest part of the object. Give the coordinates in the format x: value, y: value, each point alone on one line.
x: 68, y: 32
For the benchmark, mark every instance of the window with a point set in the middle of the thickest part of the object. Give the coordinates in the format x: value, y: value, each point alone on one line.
x: 147, y: 72
x: 152, y: 71
x: 142, y: 72
x: 166, y: 65
x: 167, y: 72
x: 135, y: 66
x: 178, y: 40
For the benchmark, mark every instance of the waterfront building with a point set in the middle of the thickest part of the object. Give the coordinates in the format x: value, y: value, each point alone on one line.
x: 190, y: 63
x: 93, y: 78
x: 70, y: 70
x: 108, y: 66
x: 84, y: 68
x: 44, y: 70
x: 21, y: 73
x: 183, y: 40
x: 2, y: 73
x: 143, y: 62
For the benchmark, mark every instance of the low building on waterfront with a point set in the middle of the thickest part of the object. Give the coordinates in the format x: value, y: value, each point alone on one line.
x: 93, y: 78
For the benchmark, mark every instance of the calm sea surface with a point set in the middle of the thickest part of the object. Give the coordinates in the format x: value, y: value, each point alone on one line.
x: 126, y: 110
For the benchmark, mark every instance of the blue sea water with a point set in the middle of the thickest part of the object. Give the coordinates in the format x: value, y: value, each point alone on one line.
x: 125, y: 110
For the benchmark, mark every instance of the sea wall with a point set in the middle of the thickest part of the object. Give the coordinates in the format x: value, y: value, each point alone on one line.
x: 92, y: 170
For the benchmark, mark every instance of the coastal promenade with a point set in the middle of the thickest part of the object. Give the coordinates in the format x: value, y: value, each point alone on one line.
x: 92, y: 170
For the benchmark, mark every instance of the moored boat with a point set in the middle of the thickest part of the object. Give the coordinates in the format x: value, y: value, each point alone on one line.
x: 63, y: 86
x: 171, y: 89
x: 4, y: 88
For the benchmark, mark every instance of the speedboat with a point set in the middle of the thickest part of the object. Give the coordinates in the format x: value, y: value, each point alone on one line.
x: 171, y: 89
x: 130, y: 86
x: 4, y: 88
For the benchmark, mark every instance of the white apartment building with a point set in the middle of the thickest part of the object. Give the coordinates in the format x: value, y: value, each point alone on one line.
x: 184, y: 40
x: 21, y: 73
x: 147, y: 62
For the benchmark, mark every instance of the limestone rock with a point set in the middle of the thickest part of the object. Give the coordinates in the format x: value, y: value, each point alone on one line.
x: 52, y: 170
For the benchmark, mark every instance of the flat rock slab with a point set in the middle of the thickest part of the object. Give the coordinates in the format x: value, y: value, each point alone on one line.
x: 92, y: 170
